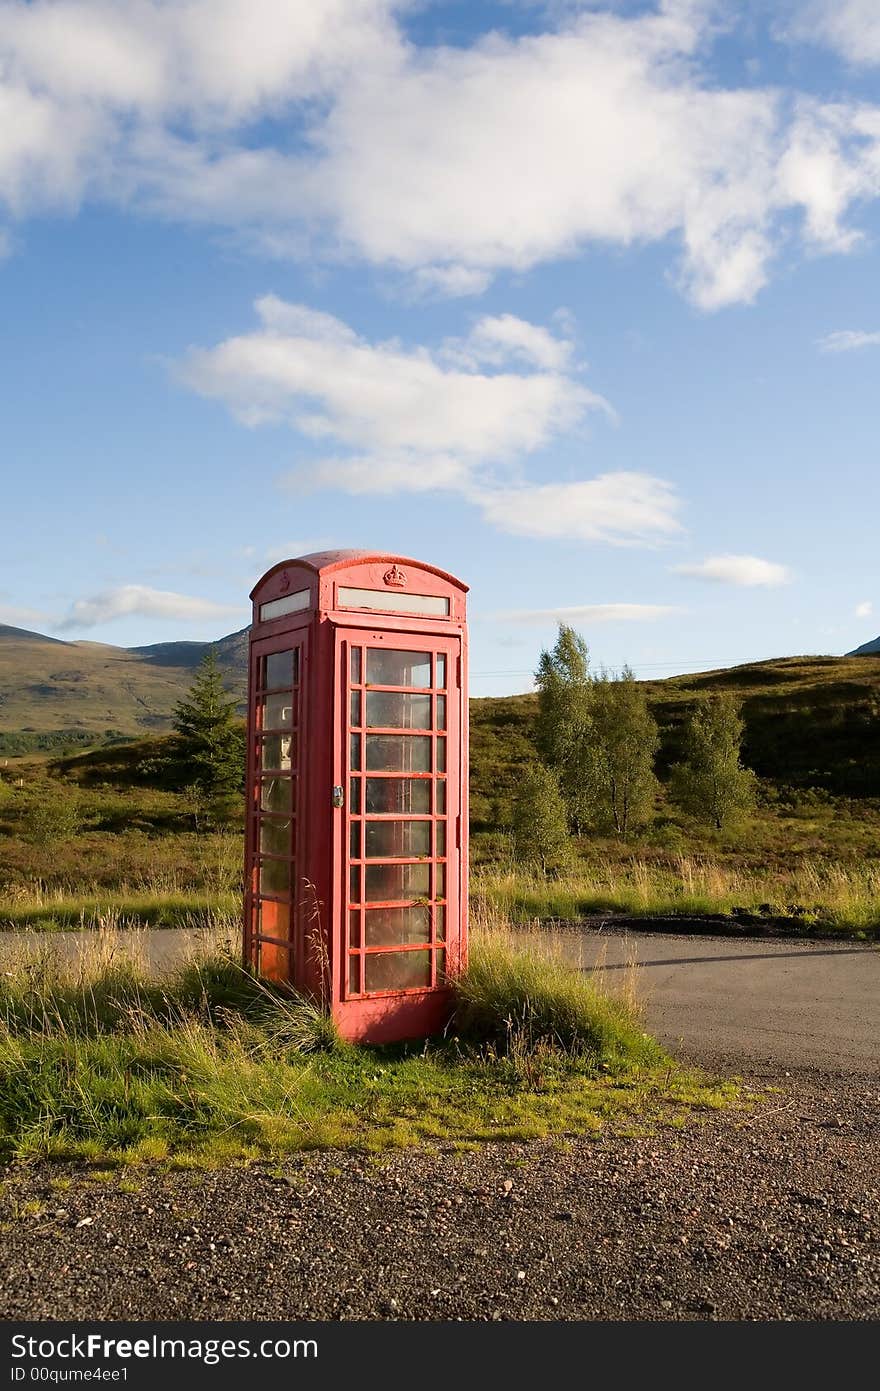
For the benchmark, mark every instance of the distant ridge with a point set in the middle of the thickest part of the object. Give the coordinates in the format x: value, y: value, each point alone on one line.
x: 25, y: 634
x: 56, y: 695
x: 867, y: 649
x: 230, y: 651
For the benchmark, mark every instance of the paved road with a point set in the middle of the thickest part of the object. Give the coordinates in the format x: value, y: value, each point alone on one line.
x: 787, y: 1004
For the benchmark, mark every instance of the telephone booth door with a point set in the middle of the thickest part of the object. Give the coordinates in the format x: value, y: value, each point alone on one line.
x: 275, y: 821
x: 399, y: 768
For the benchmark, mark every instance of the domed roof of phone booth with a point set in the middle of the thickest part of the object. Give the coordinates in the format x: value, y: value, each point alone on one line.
x: 323, y: 562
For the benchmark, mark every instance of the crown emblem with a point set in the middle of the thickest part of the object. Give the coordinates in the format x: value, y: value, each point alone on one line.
x: 285, y: 581
x: 395, y: 576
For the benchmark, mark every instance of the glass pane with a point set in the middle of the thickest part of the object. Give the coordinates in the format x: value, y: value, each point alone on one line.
x: 393, y: 710
x: 276, y: 837
x: 274, y: 877
x: 387, y: 667
x: 397, y: 927
x: 398, y: 753
x: 278, y: 711
x: 441, y: 965
x: 388, y: 883
x: 441, y: 838
x: 441, y: 712
x: 354, y: 884
x: 391, y: 601
x: 354, y: 928
x: 355, y: 751
x: 441, y: 755
x: 441, y: 670
x: 395, y: 839
x: 355, y: 840
x: 354, y: 796
x: 276, y: 794
x: 440, y: 923
x: 280, y: 670
x: 399, y: 795
x: 397, y: 970
x: 355, y: 666
x: 355, y: 717
x: 439, y: 881
x: 278, y: 751
x: 440, y: 785
x: 354, y: 975
x: 274, y: 919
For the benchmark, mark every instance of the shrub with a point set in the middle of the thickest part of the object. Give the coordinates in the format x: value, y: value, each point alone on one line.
x: 510, y: 995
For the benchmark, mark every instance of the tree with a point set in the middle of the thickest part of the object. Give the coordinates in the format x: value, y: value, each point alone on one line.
x: 711, y: 783
x: 623, y: 745
x: 564, y: 725
x: 210, y: 737
x: 540, y: 821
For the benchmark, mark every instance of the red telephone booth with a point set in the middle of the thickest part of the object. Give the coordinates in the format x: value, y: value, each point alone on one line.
x: 356, y: 869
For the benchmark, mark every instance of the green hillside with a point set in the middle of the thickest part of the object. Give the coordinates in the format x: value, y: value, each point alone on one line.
x: 62, y: 695
x: 811, y: 722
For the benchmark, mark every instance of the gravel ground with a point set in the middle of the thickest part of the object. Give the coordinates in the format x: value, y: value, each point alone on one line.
x: 770, y: 1213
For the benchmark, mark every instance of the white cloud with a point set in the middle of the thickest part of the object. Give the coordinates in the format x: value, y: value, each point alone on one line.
x: 450, y: 282
x: 746, y: 570
x: 447, y: 163
x: 314, y: 372
x: 462, y: 418
x: 139, y: 599
x: 865, y: 609
x: 847, y: 340
x: 617, y: 507
x: 496, y: 340
x: 850, y: 27
x: 591, y: 613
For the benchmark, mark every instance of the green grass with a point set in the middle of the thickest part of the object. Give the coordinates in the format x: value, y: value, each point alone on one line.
x: 815, y: 894
x: 58, y: 913
x: 101, y: 1062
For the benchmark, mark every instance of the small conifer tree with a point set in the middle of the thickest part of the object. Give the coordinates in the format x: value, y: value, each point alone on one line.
x: 210, y: 736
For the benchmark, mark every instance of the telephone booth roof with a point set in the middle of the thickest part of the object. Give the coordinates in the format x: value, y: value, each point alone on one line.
x: 324, y: 562
x: 345, y: 584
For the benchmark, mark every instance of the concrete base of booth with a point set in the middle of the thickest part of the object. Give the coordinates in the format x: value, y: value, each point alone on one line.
x: 394, y: 1018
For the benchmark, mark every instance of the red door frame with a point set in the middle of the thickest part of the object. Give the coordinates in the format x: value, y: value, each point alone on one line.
x: 450, y: 645
x: 290, y: 640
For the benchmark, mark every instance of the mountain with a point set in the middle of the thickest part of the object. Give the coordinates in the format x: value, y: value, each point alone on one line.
x: 231, y: 653
x: 867, y: 649
x: 25, y: 634
x: 56, y: 695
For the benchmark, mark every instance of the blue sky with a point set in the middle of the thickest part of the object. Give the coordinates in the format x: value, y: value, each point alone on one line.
x: 579, y: 301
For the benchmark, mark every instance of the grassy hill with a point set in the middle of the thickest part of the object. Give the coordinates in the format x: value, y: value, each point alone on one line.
x: 60, y: 695
x: 811, y: 722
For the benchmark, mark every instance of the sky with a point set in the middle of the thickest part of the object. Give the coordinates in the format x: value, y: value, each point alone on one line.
x: 579, y: 301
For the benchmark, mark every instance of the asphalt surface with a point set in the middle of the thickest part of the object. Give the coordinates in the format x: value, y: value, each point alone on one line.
x: 743, y: 1002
